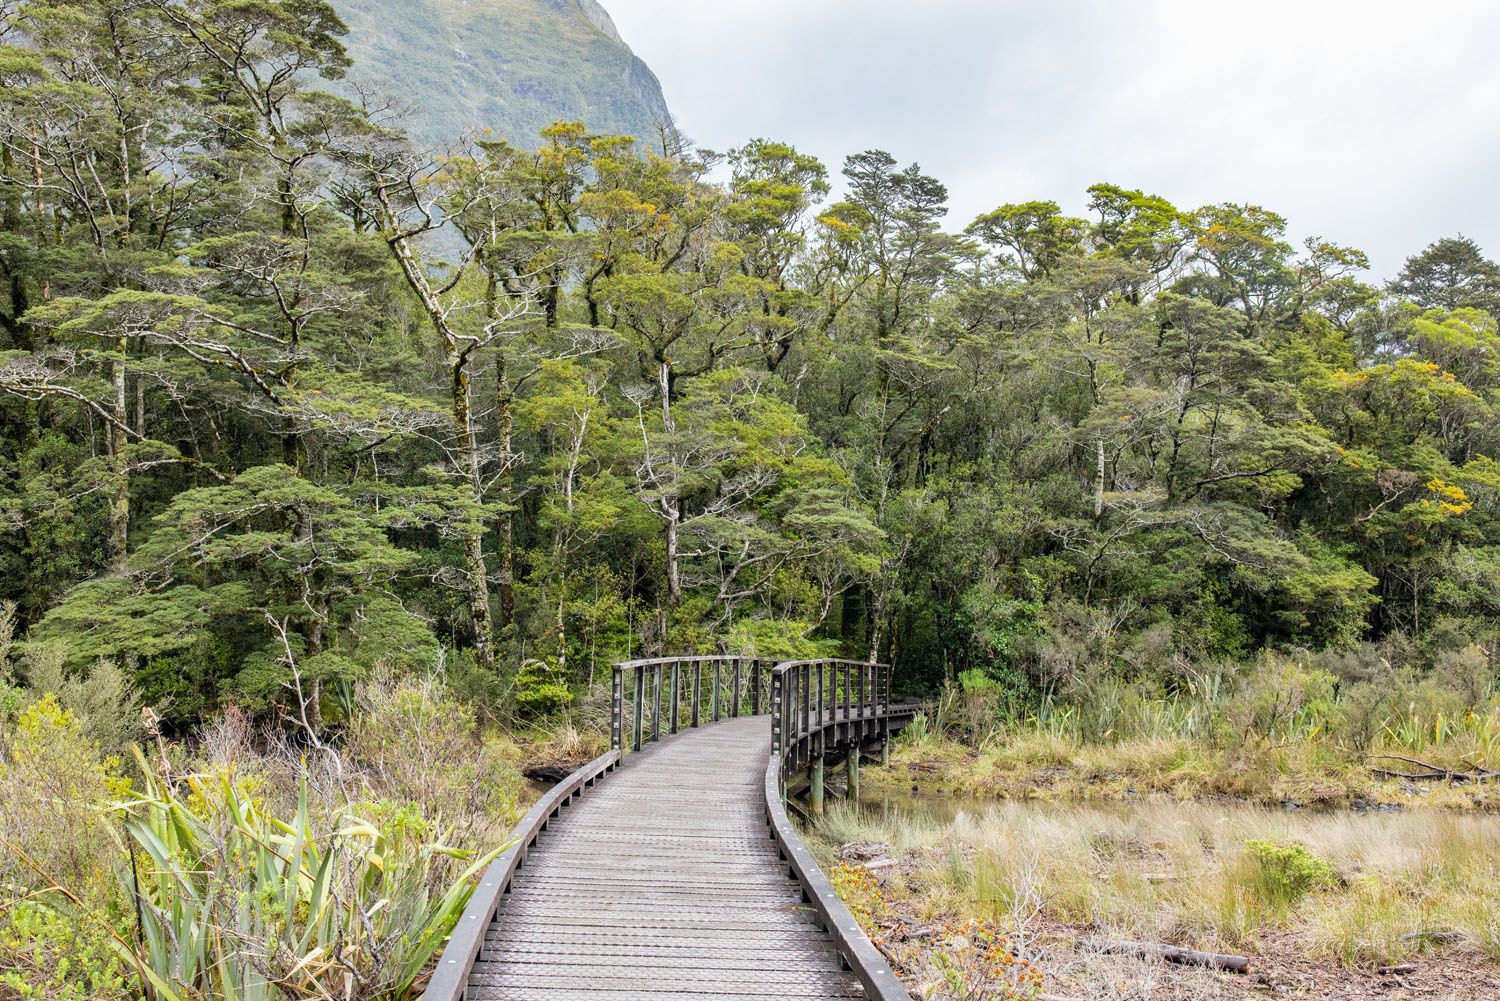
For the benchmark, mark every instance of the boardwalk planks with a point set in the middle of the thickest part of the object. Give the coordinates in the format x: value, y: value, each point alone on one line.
x: 663, y: 883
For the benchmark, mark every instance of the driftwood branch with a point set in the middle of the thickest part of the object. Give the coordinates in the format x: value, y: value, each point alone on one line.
x: 1431, y: 772
x: 1170, y: 954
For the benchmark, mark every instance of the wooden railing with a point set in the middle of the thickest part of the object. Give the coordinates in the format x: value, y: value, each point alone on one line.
x: 810, y: 696
x: 820, y: 707
x: 450, y: 978
x: 666, y: 693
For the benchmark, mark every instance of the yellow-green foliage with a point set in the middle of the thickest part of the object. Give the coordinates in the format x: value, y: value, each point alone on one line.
x: 53, y: 788
x: 52, y: 785
x: 412, y: 742
x: 58, y: 955
x: 1287, y: 873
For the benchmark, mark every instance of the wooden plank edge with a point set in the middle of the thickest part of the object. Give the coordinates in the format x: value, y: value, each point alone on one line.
x: 864, y: 960
x: 450, y: 977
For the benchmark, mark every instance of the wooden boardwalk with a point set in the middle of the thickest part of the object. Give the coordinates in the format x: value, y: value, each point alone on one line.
x: 663, y: 883
x: 668, y: 869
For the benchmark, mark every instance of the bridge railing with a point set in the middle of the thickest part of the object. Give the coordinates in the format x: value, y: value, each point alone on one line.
x: 816, y: 704
x: 807, y: 695
x: 664, y: 694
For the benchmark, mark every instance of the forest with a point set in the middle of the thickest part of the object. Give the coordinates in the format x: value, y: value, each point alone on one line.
x: 295, y: 412
x: 258, y: 416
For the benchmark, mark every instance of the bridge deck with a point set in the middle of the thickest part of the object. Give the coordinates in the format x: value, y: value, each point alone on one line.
x: 663, y: 883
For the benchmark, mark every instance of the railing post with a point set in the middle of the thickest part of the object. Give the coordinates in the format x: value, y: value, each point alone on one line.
x: 734, y: 705
x: 815, y: 780
x: 640, y: 707
x: 804, y: 711
x: 656, y: 702
x: 848, y: 690
x: 716, y: 692
x: 697, y: 689
x: 755, y: 686
x: 778, y: 731
x: 676, y: 695
x: 617, y: 709
x: 806, y: 714
x: 822, y: 673
x: 854, y: 770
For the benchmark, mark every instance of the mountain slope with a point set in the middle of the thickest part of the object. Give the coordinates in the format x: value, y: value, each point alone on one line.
x: 512, y: 66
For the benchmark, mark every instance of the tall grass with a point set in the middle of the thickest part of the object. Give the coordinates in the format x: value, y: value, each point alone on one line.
x: 1276, y: 705
x: 261, y: 874
x: 1364, y: 889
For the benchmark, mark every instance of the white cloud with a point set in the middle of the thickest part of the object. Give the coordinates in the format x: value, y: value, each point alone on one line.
x: 1370, y: 122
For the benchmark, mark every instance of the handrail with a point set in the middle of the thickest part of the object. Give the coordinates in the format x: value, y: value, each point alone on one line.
x: 450, y: 978
x: 865, y: 703
x: 810, y: 702
x: 807, y: 695
x: 708, y: 687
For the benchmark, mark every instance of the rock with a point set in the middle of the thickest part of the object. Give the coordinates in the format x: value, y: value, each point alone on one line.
x: 864, y: 851
x: 1437, y: 936
x: 1290, y: 804
x: 1366, y: 806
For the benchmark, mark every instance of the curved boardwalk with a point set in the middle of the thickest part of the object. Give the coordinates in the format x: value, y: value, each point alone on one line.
x: 663, y: 883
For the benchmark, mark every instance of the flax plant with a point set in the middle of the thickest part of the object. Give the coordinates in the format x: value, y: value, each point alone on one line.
x: 236, y: 904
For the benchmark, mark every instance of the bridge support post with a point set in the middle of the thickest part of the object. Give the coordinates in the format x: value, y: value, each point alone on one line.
x: 854, y: 770
x: 885, y: 742
x: 815, y: 790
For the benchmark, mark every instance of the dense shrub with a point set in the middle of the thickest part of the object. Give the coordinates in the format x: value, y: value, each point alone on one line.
x: 1284, y: 874
x: 411, y: 741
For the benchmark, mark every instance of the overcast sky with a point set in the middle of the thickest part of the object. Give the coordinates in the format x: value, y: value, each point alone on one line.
x: 1372, y: 123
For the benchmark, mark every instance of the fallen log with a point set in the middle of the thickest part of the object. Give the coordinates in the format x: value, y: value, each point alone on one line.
x: 1431, y: 772
x: 549, y: 774
x: 1169, y: 954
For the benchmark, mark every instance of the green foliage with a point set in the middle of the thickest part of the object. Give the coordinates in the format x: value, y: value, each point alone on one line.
x: 1285, y: 874
x: 272, y: 436
x: 538, y: 693
x: 267, y: 908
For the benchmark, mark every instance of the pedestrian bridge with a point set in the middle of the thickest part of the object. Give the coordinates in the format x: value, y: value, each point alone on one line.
x: 668, y: 868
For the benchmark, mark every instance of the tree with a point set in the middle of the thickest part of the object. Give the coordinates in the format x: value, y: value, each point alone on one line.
x: 1451, y: 273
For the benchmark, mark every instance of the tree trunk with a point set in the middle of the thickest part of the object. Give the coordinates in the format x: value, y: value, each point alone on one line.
x: 476, y: 571
x: 674, y: 570
x: 1099, y: 485
x: 119, y: 501
x: 504, y: 525
x: 877, y: 618
x: 562, y: 624
x: 671, y: 503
